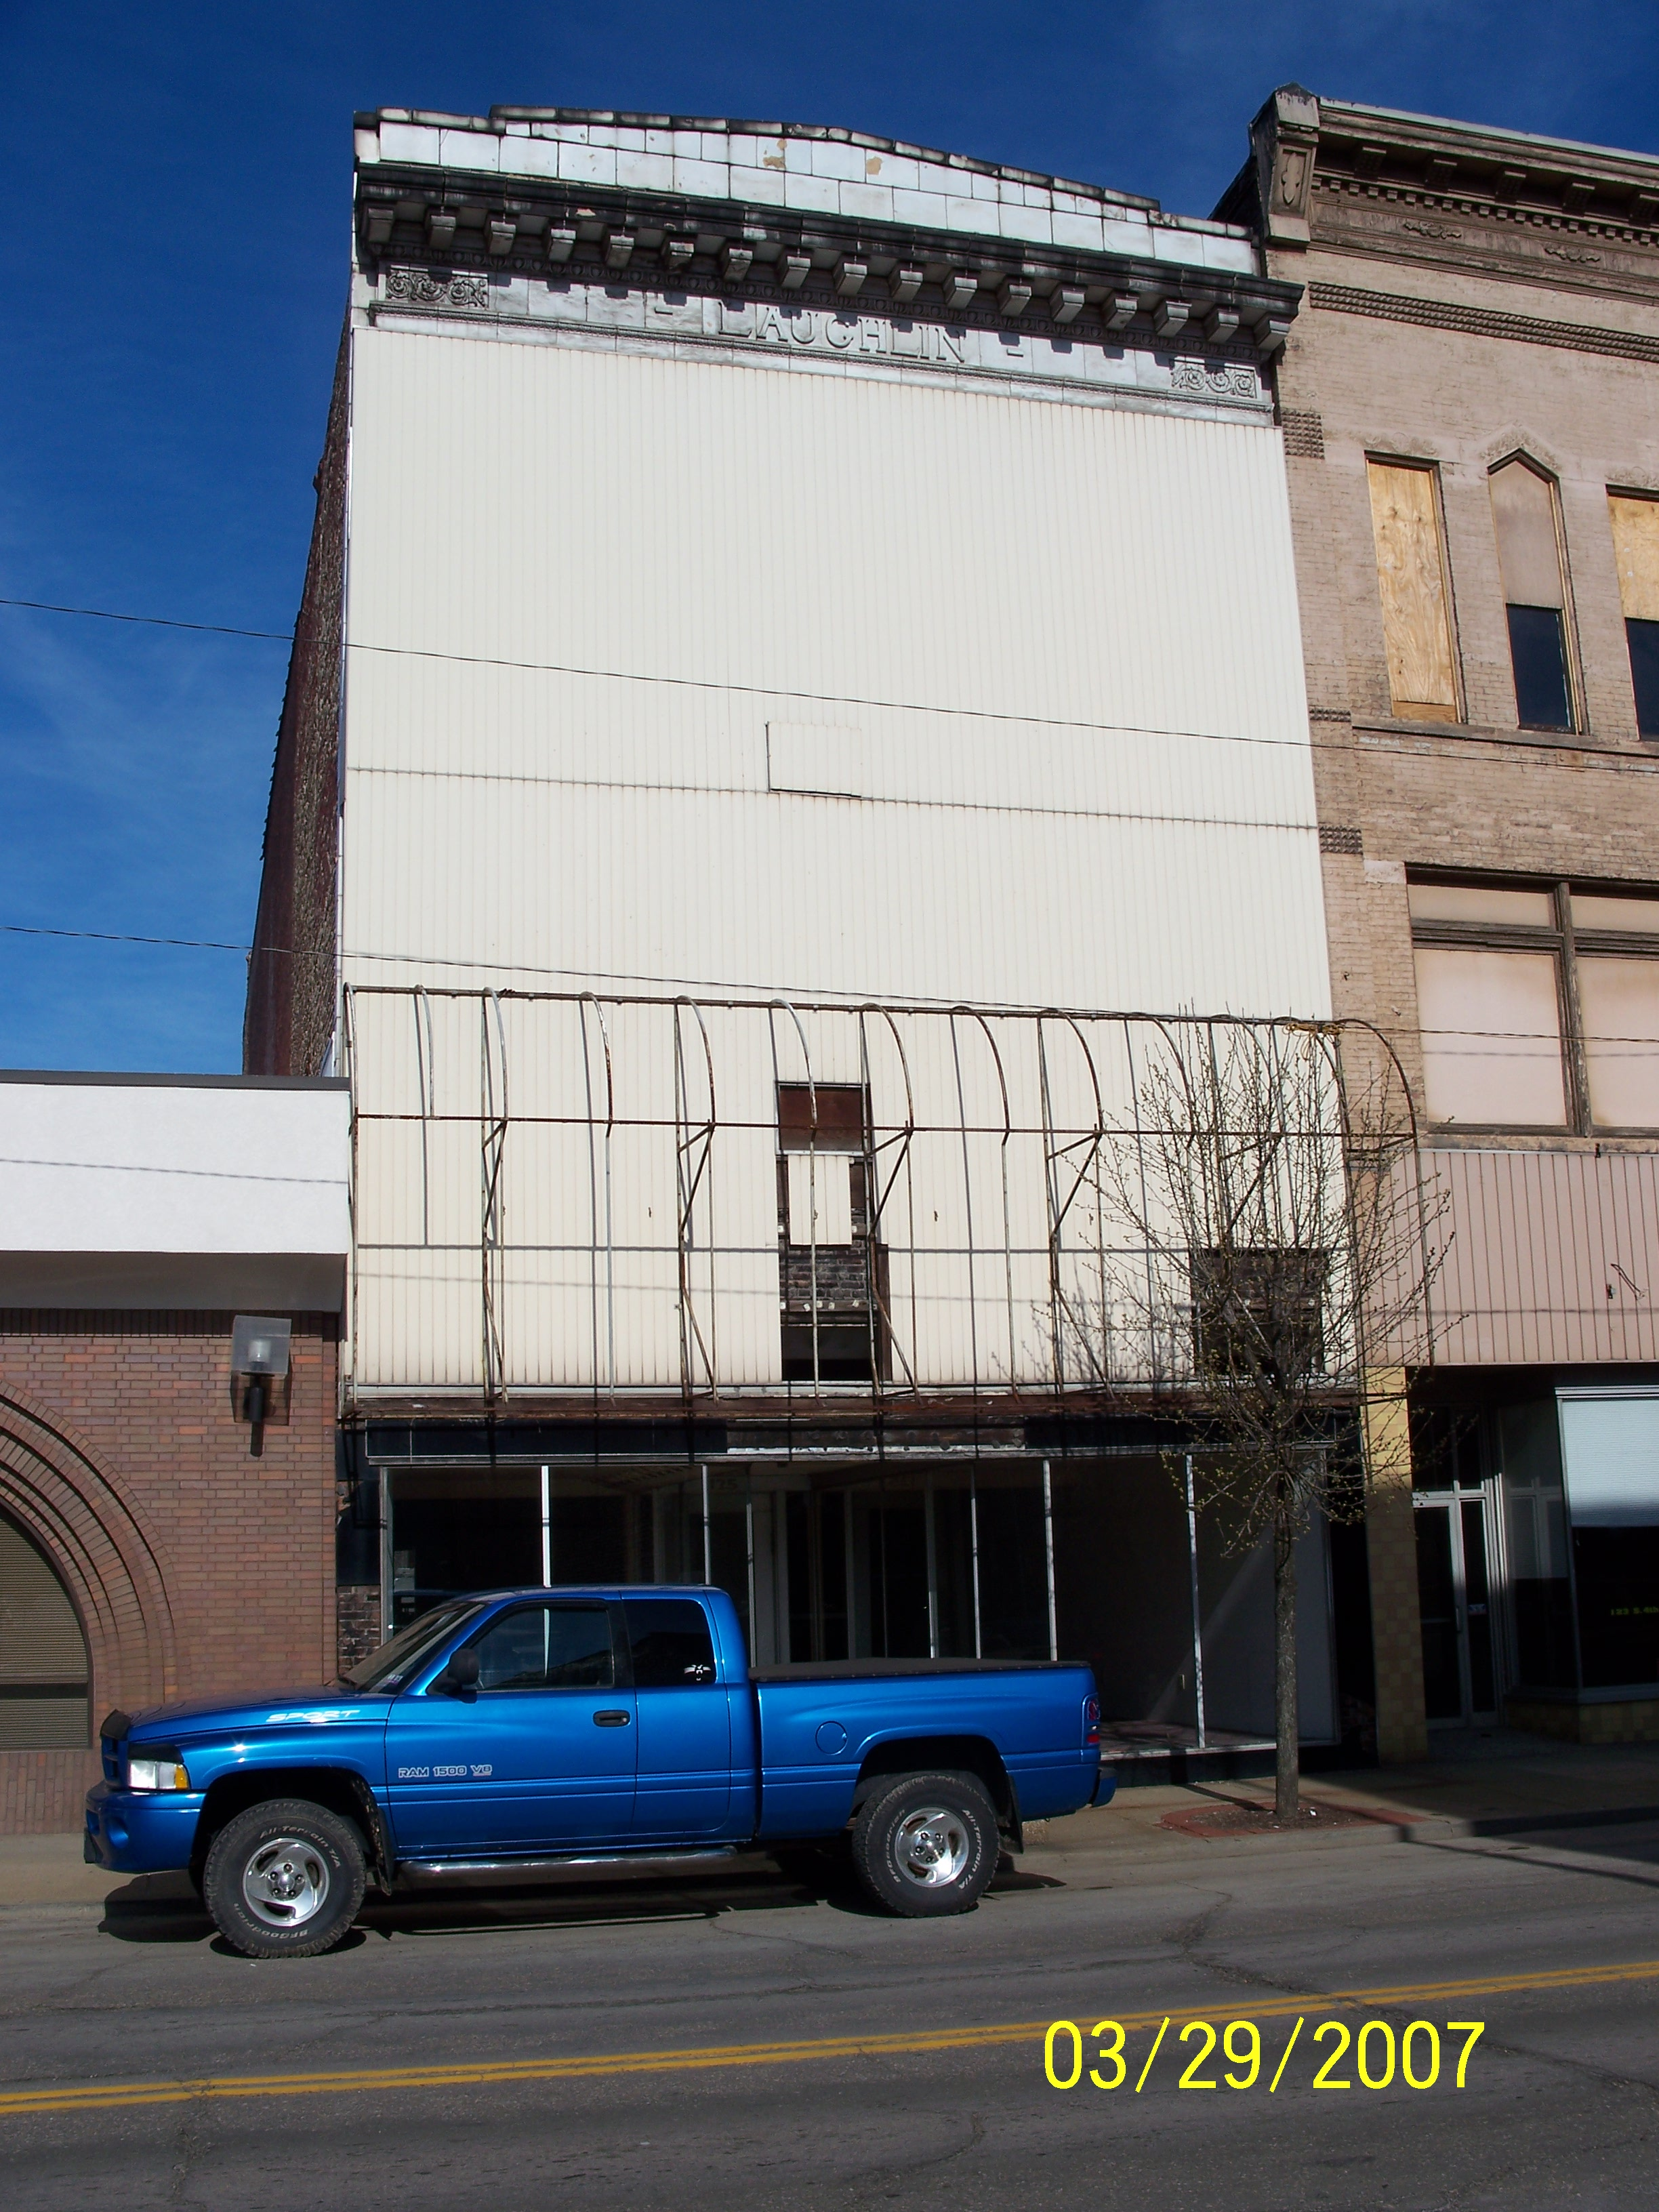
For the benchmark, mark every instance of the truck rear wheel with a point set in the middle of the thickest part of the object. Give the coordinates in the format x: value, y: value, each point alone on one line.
x: 926, y: 1843
x: 284, y: 1880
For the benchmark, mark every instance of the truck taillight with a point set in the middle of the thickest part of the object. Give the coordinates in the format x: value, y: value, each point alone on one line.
x: 1091, y: 1720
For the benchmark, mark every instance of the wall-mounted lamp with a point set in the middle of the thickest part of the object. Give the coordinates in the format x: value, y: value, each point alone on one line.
x: 259, y: 1374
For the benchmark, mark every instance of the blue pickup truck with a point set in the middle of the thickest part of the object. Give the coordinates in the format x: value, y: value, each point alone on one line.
x: 535, y: 1729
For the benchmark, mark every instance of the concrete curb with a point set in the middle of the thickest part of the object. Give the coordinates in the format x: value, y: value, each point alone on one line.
x: 1517, y: 1824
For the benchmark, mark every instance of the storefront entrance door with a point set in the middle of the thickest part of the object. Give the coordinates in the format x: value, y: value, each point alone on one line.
x: 1454, y: 1602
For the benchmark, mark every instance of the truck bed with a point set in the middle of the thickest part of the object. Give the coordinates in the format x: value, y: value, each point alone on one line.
x: 822, y: 1723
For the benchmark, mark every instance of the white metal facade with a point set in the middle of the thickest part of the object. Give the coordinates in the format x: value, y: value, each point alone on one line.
x: 684, y: 656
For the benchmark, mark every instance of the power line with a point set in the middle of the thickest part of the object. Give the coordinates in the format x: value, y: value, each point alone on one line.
x: 121, y: 937
x: 704, y: 982
x: 1613, y: 764
x: 151, y: 621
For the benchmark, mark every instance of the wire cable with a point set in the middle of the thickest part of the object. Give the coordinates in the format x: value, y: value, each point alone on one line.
x: 1414, y: 748
x: 762, y: 991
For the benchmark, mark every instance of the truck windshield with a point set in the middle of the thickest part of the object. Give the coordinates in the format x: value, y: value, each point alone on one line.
x: 390, y: 1667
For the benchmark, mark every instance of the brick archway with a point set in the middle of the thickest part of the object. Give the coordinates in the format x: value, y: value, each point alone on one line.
x: 90, y: 1528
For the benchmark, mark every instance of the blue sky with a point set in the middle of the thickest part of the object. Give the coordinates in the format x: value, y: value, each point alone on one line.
x: 174, y: 268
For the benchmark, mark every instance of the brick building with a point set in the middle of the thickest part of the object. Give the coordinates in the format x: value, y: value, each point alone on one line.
x: 1467, y: 401
x: 148, y: 1549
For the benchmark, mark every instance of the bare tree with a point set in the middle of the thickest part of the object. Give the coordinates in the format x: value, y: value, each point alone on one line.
x: 1272, y: 1255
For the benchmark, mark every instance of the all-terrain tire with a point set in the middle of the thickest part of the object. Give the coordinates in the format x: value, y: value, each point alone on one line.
x: 284, y: 1880
x: 926, y: 1844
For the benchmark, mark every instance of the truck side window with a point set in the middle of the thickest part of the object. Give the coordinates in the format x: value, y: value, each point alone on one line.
x: 548, y: 1647
x: 672, y: 1646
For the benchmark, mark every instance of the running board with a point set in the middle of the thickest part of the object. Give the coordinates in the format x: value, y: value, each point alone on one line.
x: 564, y: 1862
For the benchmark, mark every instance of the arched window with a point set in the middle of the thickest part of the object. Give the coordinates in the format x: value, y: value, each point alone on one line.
x: 1528, y: 519
x: 43, y: 1653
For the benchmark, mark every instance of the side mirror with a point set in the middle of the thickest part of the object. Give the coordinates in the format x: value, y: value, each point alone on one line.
x: 460, y: 1675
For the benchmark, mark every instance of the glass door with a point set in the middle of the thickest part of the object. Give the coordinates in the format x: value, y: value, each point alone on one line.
x: 1460, y: 1678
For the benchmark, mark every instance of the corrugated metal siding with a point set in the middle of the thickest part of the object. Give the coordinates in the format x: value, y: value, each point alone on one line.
x: 601, y: 1128
x: 971, y: 560
x: 1550, y: 1257
x: 853, y: 539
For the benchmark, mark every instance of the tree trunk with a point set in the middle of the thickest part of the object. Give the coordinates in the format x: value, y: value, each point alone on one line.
x: 1287, y: 1765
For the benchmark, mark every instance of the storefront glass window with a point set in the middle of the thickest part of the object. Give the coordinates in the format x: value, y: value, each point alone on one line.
x: 1611, y: 1445
x: 1540, y: 1590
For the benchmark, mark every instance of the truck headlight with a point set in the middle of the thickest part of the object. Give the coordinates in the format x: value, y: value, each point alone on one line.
x: 165, y: 1773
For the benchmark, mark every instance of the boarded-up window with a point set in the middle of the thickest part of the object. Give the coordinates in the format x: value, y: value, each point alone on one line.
x: 1491, y: 1037
x: 1539, y: 1005
x: 1618, y: 1004
x: 1636, y: 547
x: 833, y: 1271
x: 42, y: 1657
x: 820, y: 1198
x: 1411, y: 576
x: 1534, y: 595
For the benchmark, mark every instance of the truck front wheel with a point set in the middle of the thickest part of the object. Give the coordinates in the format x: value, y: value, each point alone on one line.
x: 284, y: 1880
x: 926, y: 1843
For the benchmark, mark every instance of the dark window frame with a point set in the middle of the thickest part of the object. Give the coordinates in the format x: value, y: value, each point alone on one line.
x: 851, y: 1342
x: 1564, y: 942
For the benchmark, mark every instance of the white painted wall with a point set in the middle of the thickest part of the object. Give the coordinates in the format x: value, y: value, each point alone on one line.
x: 1051, y: 641
x: 1089, y: 777
x: 91, y: 1166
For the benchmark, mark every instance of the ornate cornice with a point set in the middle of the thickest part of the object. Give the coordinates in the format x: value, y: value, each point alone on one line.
x: 1416, y: 190
x: 459, y: 226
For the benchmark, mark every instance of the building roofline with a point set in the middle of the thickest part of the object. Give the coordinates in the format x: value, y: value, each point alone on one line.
x: 620, y: 118
x: 1349, y: 114
x: 1436, y: 158
x: 114, y: 1079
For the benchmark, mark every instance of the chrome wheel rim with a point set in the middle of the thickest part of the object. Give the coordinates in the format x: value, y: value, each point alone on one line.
x: 932, y: 1848
x: 285, y: 1883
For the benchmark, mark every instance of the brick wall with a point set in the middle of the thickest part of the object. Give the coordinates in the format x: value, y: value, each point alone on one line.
x: 195, y: 1568
x: 1482, y: 794
x: 289, y: 1015
x: 1446, y: 322
x: 357, y: 1618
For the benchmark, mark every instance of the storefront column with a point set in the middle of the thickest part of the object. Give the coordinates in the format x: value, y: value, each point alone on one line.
x: 1391, y: 1543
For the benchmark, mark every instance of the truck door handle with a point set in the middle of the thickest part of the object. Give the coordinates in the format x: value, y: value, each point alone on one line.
x: 612, y: 1719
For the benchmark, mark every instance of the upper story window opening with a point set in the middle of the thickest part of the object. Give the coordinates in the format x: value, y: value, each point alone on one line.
x: 1538, y: 1004
x: 1525, y: 515
x: 1635, y: 517
x: 1414, y: 584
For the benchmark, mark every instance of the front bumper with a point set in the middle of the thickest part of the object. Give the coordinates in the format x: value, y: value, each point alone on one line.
x: 141, y: 1831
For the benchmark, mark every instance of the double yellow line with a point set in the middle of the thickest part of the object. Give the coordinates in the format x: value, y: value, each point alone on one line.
x: 102, y: 2096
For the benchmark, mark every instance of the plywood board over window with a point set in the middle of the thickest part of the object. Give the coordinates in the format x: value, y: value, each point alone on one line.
x: 1411, y: 576
x: 1636, y: 548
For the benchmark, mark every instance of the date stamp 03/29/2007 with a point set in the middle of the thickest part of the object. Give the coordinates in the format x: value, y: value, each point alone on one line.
x: 1378, y: 2057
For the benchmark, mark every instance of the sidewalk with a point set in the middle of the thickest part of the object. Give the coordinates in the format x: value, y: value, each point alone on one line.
x: 1493, y: 1782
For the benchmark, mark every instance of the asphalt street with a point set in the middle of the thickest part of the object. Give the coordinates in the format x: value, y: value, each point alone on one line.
x: 765, y: 2039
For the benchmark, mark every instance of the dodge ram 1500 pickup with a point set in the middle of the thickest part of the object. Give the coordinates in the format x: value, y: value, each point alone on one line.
x: 535, y: 1729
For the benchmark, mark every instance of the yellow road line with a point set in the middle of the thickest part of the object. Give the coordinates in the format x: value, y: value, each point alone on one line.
x: 102, y: 2096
